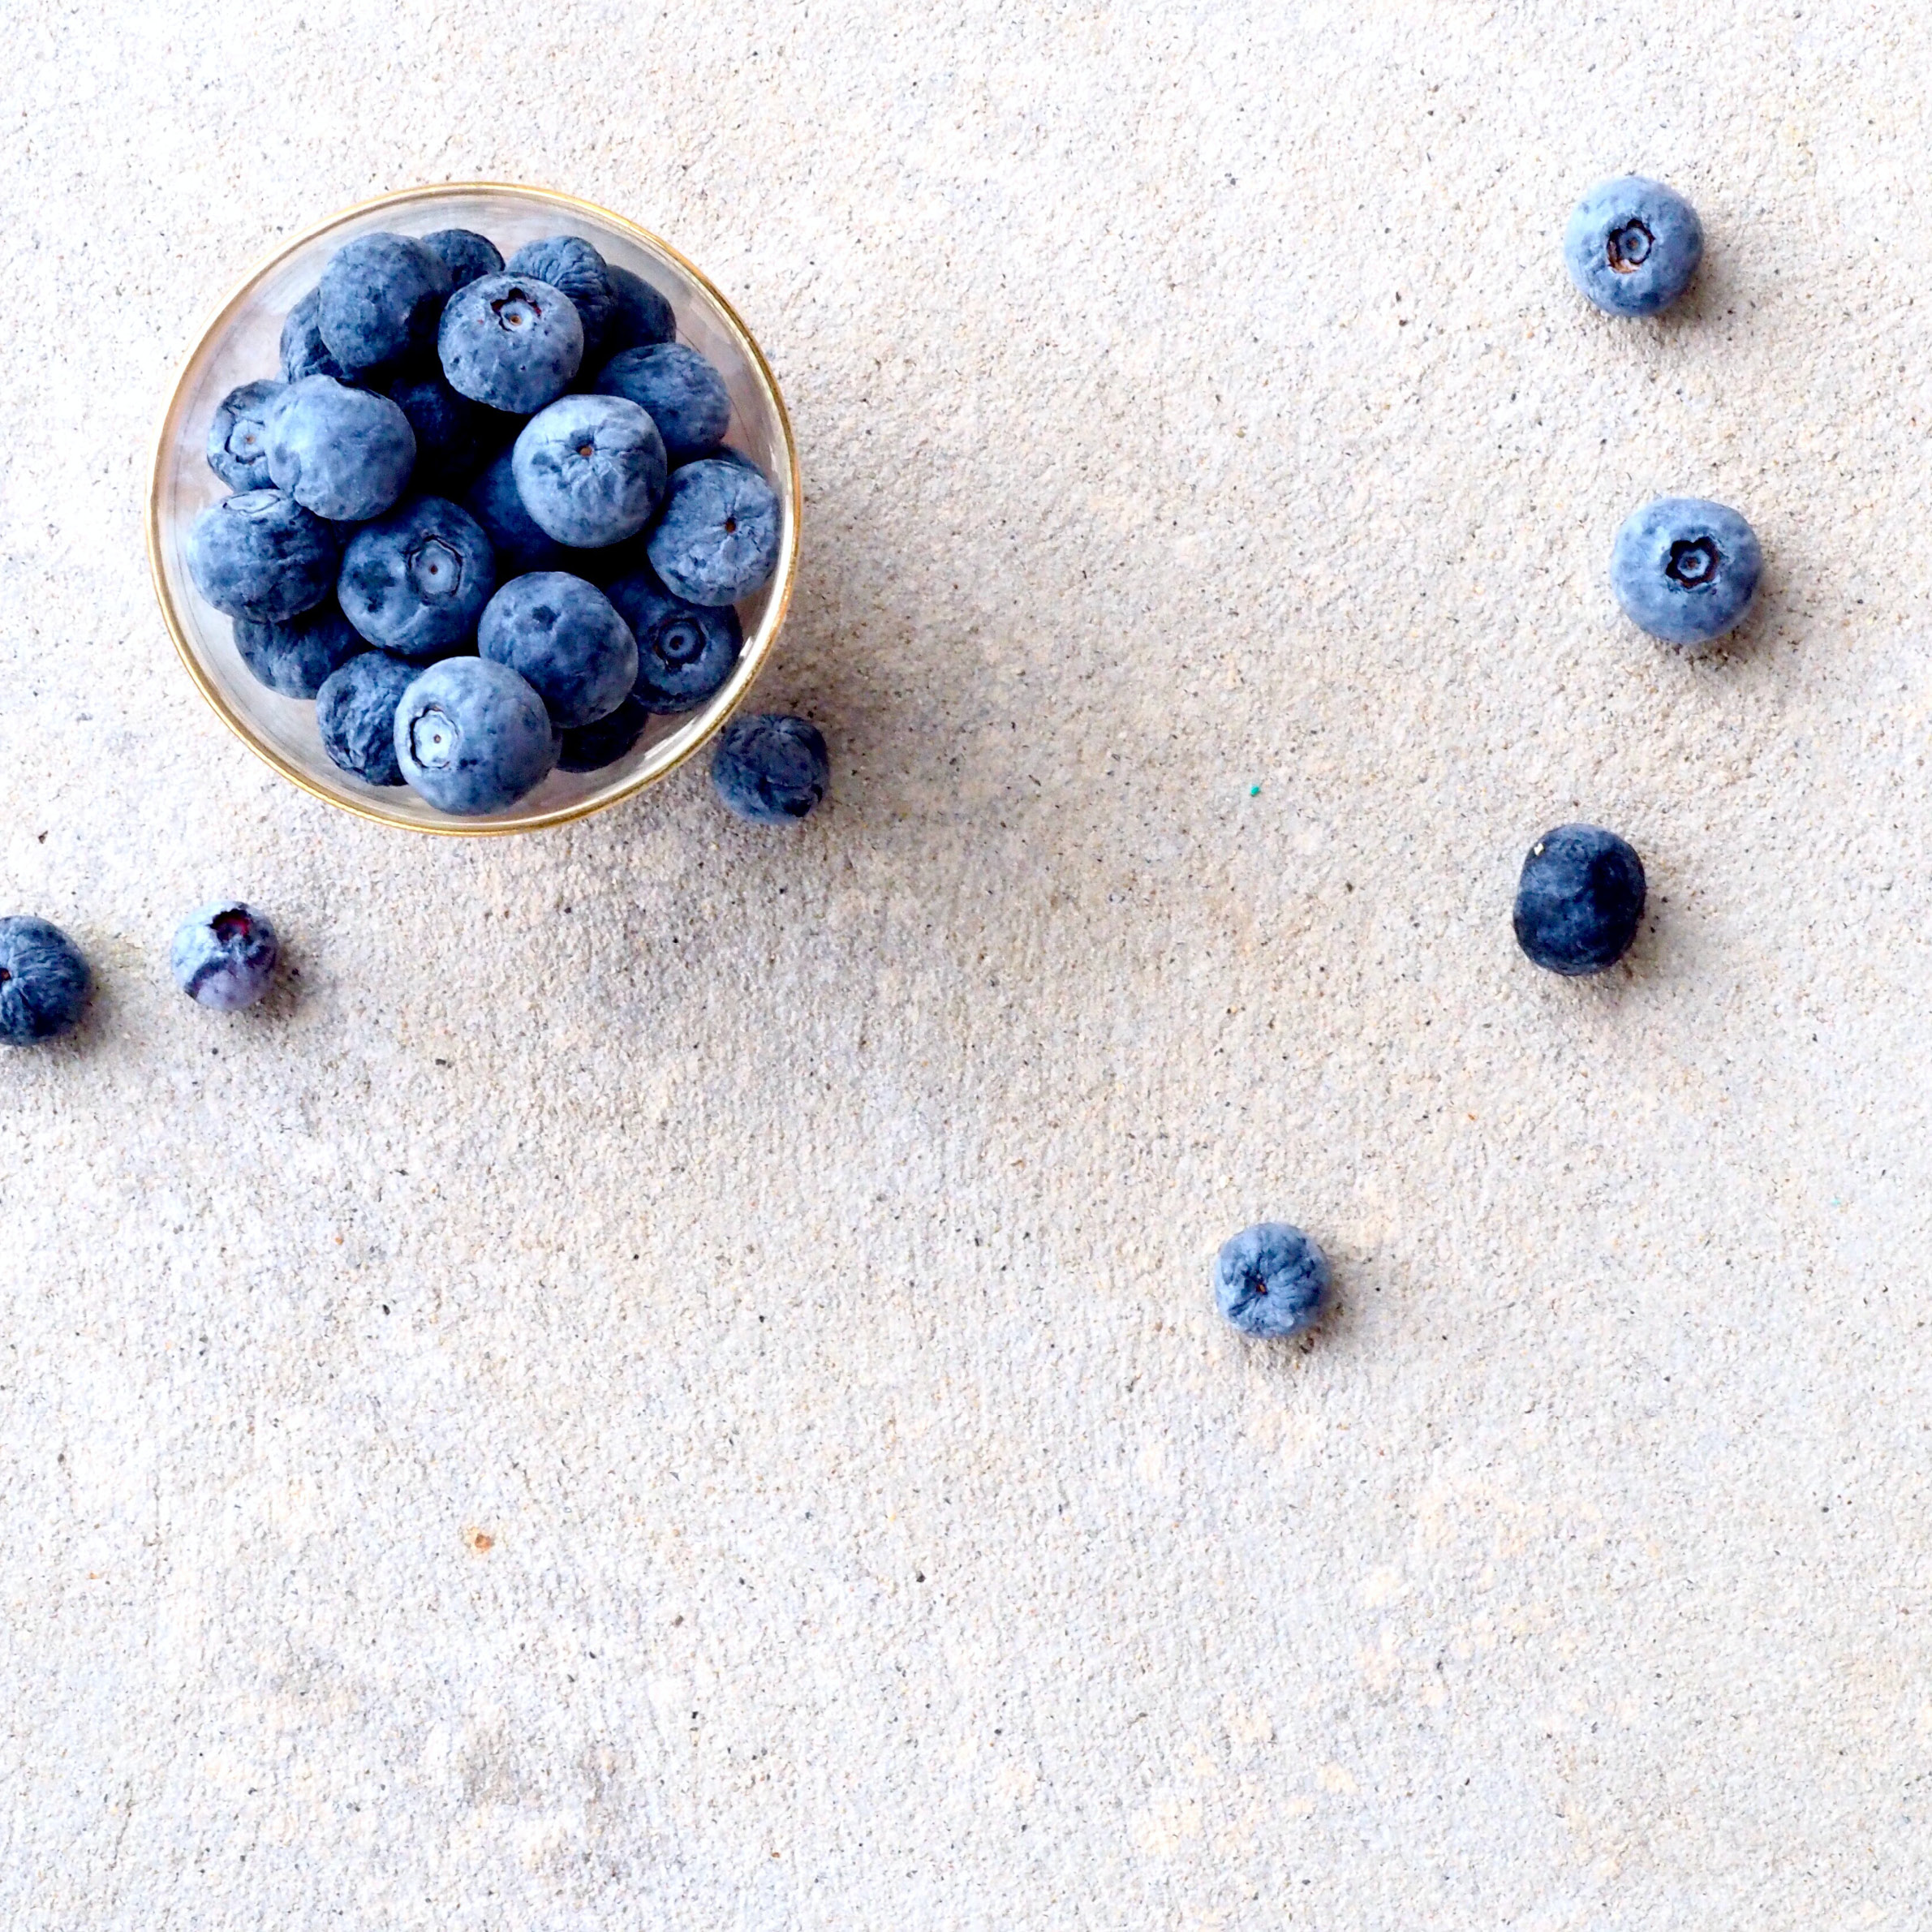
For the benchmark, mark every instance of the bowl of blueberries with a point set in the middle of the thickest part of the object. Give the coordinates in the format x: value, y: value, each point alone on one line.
x: 475, y: 509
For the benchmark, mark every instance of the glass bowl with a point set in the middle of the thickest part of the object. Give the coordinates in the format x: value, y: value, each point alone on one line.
x: 243, y: 343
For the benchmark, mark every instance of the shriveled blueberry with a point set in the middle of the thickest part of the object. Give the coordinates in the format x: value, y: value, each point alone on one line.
x: 224, y: 956
x: 381, y: 298
x: 640, y: 313
x: 1632, y: 245
x: 717, y: 540
x: 303, y: 352
x: 563, y: 637
x: 512, y: 341
x: 468, y: 256
x: 449, y: 429
x: 590, y: 469
x: 520, y: 543
x: 44, y: 981
x: 770, y: 769
x: 261, y: 555
x: 1686, y: 571
x: 605, y: 743
x: 344, y: 453
x: 1271, y: 1279
x: 679, y: 390
x: 570, y: 263
x: 294, y: 656
x: 472, y: 737
x: 355, y: 712
x: 685, y: 652
x: 238, y: 445
x: 1580, y: 900
x: 416, y: 582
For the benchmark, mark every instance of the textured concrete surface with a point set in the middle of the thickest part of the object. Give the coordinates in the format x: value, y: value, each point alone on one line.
x: 668, y: 1380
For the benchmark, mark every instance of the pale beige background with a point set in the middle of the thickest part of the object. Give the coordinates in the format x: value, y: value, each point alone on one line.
x: 791, y: 1251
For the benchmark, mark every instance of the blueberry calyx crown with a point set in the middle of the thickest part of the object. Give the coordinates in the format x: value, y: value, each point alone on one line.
x: 1693, y: 563
x: 1628, y: 248
x: 233, y: 924
x: 516, y: 307
x: 432, y: 739
x: 435, y: 568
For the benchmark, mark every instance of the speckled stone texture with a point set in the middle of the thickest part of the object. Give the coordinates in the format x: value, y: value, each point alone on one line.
x: 667, y: 1378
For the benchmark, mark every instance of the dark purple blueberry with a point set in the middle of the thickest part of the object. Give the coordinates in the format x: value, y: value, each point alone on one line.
x: 685, y: 652
x: 570, y: 263
x: 261, y: 555
x: 679, y: 390
x: 355, y: 712
x: 467, y: 255
x: 605, y: 743
x: 295, y: 656
x: 381, y: 296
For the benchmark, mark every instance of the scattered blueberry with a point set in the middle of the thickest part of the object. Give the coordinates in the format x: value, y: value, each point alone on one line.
x: 451, y: 431
x: 303, y: 352
x: 1633, y: 245
x: 590, y: 469
x: 605, y: 743
x: 472, y: 737
x: 44, y: 981
x: 416, y: 582
x: 381, y: 296
x: 772, y: 770
x: 237, y: 451
x: 1685, y: 570
x: 467, y: 255
x: 1271, y: 1279
x: 570, y: 263
x: 224, y: 956
x: 685, y: 652
x: 1580, y: 900
x: 640, y: 313
x: 344, y: 452
x: 294, y: 656
x: 561, y: 635
x: 717, y: 540
x: 355, y: 712
x: 261, y: 555
x: 682, y: 393
x: 520, y: 544
x: 511, y: 341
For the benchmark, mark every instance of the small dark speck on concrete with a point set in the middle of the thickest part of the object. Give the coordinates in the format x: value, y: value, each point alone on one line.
x: 42, y: 839
x: 442, y: 1063
x: 919, y: 1576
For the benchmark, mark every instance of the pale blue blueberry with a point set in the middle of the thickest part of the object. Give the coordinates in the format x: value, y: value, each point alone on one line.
x: 381, y: 299
x: 1685, y: 570
x: 224, y: 956
x: 685, y: 652
x: 261, y: 555
x: 680, y: 391
x: 416, y: 582
x: 563, y: 636
x: 717, y: 540
x: 512, y: 341
x: 472, y: 737
x: 355, y: 713
x: 570, y: 263
x: 238, y: 438
x: 590, y: 469
x: 1271, y: 1279
x: 303, y: 352
x: 1633, y: 245
x: 344, y: 453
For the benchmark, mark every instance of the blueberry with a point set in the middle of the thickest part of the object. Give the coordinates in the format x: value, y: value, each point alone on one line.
x: 605, y: 743
x: 224, y: 956
x: 590, y: 469
x: 44, y: 981
x: 355, y: 712
x: 472, y: 737
x: 261, y: 555
x: 719, y: 452
x: 449, y: 429
x: 238, y: 449
x: 303, y: 352
x: 416, y: 582
x: 682, y: 393
x: 639, y: 313
x: 770, y: 769
x: 1271, y: 1279
x: 381, y: 298
x: 1580, y: 900
x: 561, y: 634
x: 570, y: 263
x: 520, y: 544
x: 1633, y: 245
x: 467, y: 255
x: 1685, y: 570
x: 512, y: 341
x: 685, y: 652
x: 717, y: 540
x: 294, y: 656
x: 344, y: 453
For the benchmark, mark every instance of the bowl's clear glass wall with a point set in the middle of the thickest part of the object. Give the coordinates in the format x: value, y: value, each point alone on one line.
x: 247, y: 347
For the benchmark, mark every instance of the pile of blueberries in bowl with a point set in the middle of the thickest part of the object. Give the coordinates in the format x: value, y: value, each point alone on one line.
x: 485, y: 517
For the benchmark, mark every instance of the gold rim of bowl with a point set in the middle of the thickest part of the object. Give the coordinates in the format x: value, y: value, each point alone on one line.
x: 662, y: 758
